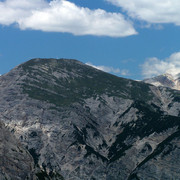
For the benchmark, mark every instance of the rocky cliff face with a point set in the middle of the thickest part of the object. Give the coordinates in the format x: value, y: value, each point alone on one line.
x: 15, y: 161
x: 79, y: 123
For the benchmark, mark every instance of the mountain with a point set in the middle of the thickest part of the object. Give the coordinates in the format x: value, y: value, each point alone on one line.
x: 166, y: 80
x: 79, y: 123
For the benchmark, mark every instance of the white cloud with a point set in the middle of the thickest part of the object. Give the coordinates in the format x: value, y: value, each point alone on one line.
x: 64, y: 16
x: 12, y: 11
x: 154, y: 66
x: 123, y: 72
x: 151, y: 11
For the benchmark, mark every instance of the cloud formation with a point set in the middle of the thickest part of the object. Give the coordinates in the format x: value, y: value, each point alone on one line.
x: 64, y: 16
x: 154, y: 66
x: 151, y: 11
x: 123, y: 72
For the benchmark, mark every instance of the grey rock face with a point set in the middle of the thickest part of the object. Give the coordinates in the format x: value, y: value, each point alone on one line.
x: 15, y: 161
x: 84, y: 124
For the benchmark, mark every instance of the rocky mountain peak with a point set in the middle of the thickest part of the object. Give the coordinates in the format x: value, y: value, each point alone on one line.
x: 56, y: 67
x: 166, y: 80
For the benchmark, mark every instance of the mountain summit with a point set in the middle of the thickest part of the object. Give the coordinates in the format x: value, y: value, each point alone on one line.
x: 166, y: 80
x: 80, y: 123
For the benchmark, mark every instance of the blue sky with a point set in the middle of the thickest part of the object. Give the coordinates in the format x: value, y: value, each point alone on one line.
x: 133, y: 39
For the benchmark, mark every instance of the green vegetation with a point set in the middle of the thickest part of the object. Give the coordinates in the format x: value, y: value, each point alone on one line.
x: 35, y: 156
x: 42, y: 175
x: 151, y: 121
x: 133, y: 177
x: 81, y: 137
x: 79, y: 82
x: 159, y: 149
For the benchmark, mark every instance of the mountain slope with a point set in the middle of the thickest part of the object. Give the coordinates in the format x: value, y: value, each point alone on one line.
x: 82, y: 123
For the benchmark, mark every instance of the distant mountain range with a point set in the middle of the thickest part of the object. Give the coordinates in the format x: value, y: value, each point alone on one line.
x: 62, y: 119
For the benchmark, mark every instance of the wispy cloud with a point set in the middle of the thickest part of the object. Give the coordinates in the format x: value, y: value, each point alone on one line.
x: 64, y: 16
x: 154, y: 66
x: 151, y: 11
x: 108, y: 69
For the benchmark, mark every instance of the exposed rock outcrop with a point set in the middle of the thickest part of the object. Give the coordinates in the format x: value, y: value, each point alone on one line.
x: 15, y: 161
